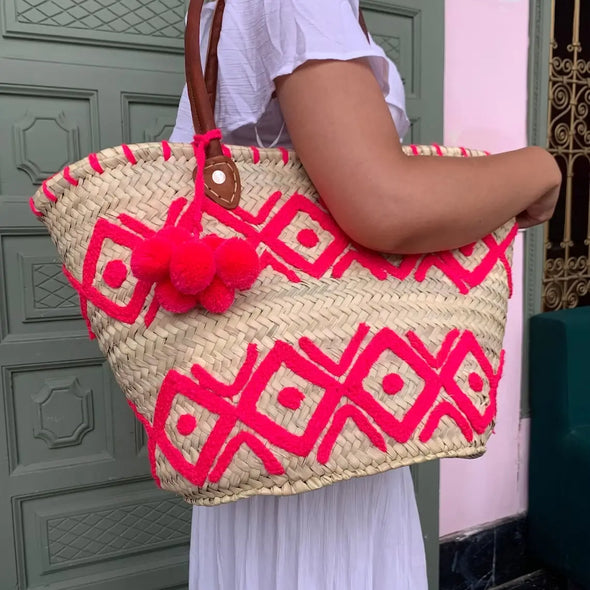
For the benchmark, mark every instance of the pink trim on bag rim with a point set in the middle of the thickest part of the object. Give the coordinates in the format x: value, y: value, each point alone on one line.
x: 464, y: 152
x: 93, y: 159
x: 48, y: 193
x: 285, y: 154
x: 166, y: 150
x: 437, y: 149
x: 34, y: 209
x: 226, y: 151
x: 129, y: 154
x: 415, y: 150
x: 255, y: 154
x: 69, y: 177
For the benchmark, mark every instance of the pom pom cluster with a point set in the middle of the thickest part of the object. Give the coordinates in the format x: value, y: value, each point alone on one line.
x: 191, y: 271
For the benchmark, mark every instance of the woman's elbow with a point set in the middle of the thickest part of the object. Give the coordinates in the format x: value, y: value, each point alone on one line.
x: 389, y: 239
x: 372, y: 206
x: 378, y: 227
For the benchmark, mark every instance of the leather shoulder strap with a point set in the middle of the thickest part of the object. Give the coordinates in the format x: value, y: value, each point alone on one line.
x: 201, y: 108
x: 212, y: 66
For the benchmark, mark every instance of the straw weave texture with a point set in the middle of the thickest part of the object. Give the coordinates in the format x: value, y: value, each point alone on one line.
x: 396, y: 406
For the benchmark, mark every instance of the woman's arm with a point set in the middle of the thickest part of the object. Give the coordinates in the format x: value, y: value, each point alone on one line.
x: 343, y: 132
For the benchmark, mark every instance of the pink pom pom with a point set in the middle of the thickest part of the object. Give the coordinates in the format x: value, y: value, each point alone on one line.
x: 172, y: 300
x: 238, y: 264
x: 192, y: 267
x: 217, y: 297
x: 213, y: 240
x: 151, y: 258
x: 177, y: 235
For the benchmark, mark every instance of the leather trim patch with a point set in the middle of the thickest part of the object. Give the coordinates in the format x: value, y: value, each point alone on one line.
x: 222, y: 182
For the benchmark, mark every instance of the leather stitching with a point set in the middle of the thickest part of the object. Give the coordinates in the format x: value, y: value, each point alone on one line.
x: 217, y: 195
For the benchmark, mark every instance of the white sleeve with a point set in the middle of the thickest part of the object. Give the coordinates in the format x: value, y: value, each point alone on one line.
x: 264, y: 39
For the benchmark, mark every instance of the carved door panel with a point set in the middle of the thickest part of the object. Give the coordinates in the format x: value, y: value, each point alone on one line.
x: 412, y: 34
x: 78, y: 508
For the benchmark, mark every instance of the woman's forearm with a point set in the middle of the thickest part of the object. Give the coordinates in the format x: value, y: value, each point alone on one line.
x: 436, y: 204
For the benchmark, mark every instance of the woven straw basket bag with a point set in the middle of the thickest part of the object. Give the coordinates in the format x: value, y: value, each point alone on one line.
x: 263, y: 351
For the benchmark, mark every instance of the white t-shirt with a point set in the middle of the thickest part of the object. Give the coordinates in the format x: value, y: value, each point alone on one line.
x: 264, y: 39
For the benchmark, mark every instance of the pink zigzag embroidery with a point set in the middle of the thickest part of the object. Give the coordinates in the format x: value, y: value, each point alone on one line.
x: 239, y: 419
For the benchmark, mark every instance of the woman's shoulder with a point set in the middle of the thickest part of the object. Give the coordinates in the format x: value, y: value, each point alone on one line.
x: 262, y: 40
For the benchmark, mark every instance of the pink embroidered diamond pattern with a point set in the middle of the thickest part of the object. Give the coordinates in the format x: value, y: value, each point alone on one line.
x: 91, y: 287
x: 236, y: 420
x: 319, y: 250
x: 269, y: 226
x: 298, y: 207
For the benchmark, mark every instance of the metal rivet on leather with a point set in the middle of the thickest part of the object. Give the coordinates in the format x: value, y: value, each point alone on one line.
x: 218, y: 177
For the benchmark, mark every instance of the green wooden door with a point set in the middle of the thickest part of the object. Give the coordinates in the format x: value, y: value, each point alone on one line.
x: 78, y: 507
x: 412, y: 34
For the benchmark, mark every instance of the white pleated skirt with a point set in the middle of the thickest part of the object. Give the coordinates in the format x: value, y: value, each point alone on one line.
x: 362, y: 534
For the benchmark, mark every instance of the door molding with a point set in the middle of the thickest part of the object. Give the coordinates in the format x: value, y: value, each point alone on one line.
x: 537, y: 129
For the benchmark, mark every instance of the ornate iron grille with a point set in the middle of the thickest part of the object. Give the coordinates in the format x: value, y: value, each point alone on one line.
x: 566, y: 282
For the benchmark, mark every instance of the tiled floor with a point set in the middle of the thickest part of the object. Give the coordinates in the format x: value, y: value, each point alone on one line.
x: 540, y: 580
x: 495, y: 559
x: 485, y: 559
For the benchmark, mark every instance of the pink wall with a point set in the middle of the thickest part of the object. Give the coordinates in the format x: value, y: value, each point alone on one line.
x: 486, y: 107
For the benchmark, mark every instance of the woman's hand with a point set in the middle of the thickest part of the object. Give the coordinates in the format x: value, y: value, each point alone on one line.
x: 542, y: 210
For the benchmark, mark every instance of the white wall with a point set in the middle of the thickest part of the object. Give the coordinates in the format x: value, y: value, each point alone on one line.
x: 486, y: 107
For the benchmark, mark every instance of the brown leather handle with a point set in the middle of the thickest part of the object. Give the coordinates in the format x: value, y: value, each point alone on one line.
x: 202, y: 90
x: 212, y: 66
x: 201, y: 104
